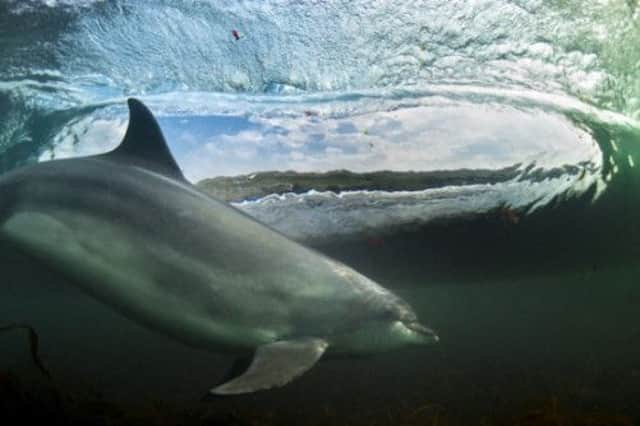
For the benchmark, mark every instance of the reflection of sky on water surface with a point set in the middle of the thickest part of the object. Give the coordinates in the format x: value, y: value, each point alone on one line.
x: 419, y: 139
x: 459, y: 135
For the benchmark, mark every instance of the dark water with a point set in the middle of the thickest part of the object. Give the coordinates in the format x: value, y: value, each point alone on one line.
x: 478, y: 158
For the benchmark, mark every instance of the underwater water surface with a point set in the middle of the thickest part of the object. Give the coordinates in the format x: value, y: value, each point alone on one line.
x: 479, y: 158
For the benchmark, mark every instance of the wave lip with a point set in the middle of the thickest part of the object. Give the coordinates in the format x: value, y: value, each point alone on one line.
x: 287, y: 47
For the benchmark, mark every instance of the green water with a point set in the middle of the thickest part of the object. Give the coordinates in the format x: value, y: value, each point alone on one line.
x: 480, y: 159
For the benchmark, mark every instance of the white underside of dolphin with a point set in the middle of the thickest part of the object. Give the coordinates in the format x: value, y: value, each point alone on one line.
x: 128, y: 229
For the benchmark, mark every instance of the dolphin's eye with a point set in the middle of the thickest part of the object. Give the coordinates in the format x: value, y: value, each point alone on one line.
x: 388, y: 313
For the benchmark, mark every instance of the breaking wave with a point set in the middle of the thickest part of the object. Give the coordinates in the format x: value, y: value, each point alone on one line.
x: 339, y: 118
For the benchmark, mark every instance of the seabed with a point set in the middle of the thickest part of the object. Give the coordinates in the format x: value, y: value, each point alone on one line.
x: 44, y: 403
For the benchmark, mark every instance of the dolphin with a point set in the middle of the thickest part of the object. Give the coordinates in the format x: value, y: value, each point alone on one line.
x: 131, y: 231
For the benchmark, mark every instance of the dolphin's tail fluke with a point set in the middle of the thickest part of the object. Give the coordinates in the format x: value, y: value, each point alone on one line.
x: 34, y: 344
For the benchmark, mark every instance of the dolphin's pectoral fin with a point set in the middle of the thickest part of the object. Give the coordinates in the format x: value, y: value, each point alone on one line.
x: 275, y: 365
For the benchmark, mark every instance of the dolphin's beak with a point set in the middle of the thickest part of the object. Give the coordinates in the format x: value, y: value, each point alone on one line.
x: 428, y: 334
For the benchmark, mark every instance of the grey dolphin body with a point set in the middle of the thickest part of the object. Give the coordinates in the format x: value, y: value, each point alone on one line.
x: 133, y: 233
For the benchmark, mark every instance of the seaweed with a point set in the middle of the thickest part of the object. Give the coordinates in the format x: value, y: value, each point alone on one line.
x: 21, y: 403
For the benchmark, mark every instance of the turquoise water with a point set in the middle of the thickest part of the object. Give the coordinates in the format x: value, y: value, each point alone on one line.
x: 479, y: 158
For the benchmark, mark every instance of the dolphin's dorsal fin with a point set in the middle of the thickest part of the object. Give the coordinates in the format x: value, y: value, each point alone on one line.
x: 143, y: 143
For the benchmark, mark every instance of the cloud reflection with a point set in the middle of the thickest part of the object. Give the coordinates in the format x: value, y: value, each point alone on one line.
x: 462, y: 136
